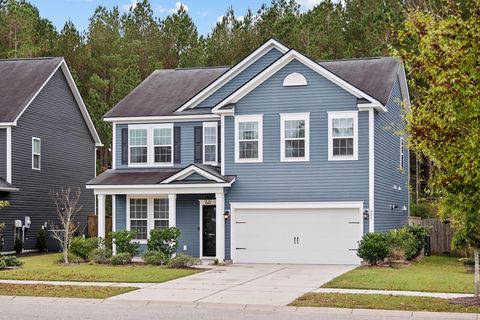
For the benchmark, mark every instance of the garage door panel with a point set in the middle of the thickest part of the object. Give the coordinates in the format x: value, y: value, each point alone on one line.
x: 324, y: 236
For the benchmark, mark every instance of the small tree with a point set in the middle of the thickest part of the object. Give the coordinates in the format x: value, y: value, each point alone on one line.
x: 67, y: 207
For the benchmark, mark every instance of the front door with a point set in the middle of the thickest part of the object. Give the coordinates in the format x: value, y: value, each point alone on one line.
x: 209, y: 231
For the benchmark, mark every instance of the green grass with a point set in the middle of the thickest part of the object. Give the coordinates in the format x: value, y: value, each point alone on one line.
x: 432, y: 274
x: 377, y: 301
x: 43, y: 290
x: 45, y: 267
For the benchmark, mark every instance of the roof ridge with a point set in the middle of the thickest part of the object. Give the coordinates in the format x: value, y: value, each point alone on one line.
x: 357, y: 59
x: 30, y: 59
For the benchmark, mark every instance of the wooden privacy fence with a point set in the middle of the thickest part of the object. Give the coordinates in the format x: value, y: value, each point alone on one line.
x: 92, y: 225
x: 441, y: 234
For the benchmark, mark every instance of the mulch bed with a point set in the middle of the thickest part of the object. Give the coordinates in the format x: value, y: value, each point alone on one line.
x: 467, y: 302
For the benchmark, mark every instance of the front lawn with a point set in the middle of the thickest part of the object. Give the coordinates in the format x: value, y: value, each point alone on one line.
x: 378, y: 301
x: 45, y: 267
x: 432, y: 274
x: 43, y: 290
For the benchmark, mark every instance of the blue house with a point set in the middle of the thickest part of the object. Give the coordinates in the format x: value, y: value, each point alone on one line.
x: 277, y: 159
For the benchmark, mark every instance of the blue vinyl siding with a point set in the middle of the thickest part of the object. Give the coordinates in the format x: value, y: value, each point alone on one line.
x: 186, y: 145
x: 315, y: 180
x: 120, y: 212
x: 389, y: 127
x: 242, y: 78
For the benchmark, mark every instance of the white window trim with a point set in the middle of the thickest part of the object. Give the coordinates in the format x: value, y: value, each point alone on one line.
x: 150, y: 146
x: 249, y: 118
x: 294, y: 116
x: 210, y: 125
x: 402, y: 153
x: 39, y: 154
x: 340, y: 115
x: 150, y: 215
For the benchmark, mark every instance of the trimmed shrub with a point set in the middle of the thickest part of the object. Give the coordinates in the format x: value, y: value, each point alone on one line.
x: 164, y: 241
x: 12, y: 261
x: 182, y: 261
x: 42, y: 239
x: 403, y: 240
x: 83, y: 247
x: 124, y: 243
x: 71, y: 259
x: 419, y: 232
x: 101, y: 255
x: 373, y: 247
x: 122, y: 258
x: 155, y: 258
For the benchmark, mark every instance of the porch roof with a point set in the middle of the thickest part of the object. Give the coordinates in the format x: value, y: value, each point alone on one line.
x: 158, y: 176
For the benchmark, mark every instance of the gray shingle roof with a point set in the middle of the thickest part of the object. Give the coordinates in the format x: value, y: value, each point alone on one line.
x: 164, y: 91
x: 20, y: 80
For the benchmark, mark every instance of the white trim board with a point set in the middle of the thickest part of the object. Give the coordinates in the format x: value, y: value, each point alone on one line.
x: 371, y: 170
x: 233, y: 72
x: 188, y: 171
x: 158, y: 119
x: 282, y: 62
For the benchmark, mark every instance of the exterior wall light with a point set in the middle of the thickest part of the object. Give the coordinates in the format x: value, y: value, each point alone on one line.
x: 226, y: 215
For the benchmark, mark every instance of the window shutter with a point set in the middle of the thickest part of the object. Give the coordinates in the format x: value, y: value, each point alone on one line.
x: 198, y: 144
x: 124, y: 145
x: 219, y: 141
x: 176, y: 145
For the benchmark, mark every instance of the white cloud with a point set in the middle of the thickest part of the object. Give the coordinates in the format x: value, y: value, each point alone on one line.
x: 178, y: 4
x: 308, y: 4
x: 127, y: 6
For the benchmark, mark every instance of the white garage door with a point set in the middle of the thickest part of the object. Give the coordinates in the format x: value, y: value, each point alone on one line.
x: 310, y: 236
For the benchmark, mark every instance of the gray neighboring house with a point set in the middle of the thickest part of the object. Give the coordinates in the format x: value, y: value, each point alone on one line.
x: 277, y: 159
x: 47, y: 141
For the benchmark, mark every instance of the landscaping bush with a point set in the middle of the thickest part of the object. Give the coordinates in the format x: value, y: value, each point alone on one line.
x: 164, y: 241
x: 12, y: 261
x: 424, y: 210
x: 182, y: 261
x: 403, y: 241
x: 42, y: 239
x: 155, y: 258
x: 3, y: 265
x: 101, y: 255
x: 419, y: 232
x: 124, y: 243
x: 71, y: 259
x: 83, y: 247
x: 18, y: 246
x: 121, y: 258
x: 373, y: 247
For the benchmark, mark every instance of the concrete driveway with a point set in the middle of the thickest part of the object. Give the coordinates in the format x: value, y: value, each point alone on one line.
x: 261, y: 284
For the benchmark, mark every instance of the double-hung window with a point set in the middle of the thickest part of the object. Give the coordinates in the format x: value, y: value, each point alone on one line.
x: 249, y: 138
x: 342, y: 135
x: 402, y: 153
x: 295, y: 136
x: 36, y: 153
x: 210, y: 141
x: 139, y: 217
x: 160, y: 213
x: 150, y: 145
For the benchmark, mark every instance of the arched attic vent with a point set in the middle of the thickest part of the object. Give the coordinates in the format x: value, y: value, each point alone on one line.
x: 294, y: 79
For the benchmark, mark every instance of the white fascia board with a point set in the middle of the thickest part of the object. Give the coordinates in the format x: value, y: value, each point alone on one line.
x: 189, y: 171
x: 282, y: 62
x: 402, y: 77
x: 157, y: 119
x: 233, y: 72
x: 160, y: 189
x: 297, y: 205
x: 368, y: 106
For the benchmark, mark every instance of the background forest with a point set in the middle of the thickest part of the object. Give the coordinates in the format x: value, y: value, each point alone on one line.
x: 118, y: 51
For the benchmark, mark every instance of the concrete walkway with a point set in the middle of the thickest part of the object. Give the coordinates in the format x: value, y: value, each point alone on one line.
x: 258, y: 284
x: 78, y: 283
x: 395, y: 293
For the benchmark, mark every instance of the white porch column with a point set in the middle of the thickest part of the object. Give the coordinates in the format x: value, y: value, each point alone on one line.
x: 101, y: 216
x: 220, y: 226
x: 172, y: 210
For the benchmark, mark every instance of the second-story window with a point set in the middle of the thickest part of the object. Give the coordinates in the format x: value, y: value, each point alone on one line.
x: 36, y: 153
x: 294, y: 136
x: 210, y: 143
x: 138, y: 146
x: 150, y: 145
x: 342, y: 136
x: 249, y: 138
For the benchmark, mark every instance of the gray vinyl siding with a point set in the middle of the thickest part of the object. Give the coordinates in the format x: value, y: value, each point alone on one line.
x: 186, y: 145
x: 67, y: 160
x: 3, y: 153
x: 243, y: 77
x: 389, y: 127
x: 315, y: 180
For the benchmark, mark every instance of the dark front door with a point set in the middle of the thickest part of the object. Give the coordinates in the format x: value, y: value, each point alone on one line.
x: 209, y: 231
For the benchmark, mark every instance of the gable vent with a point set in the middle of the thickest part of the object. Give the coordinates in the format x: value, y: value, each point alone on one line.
x: 294, y: 79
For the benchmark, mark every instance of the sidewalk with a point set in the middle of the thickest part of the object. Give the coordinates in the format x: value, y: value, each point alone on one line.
x: 77, y: 283
x: 395, y: 293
